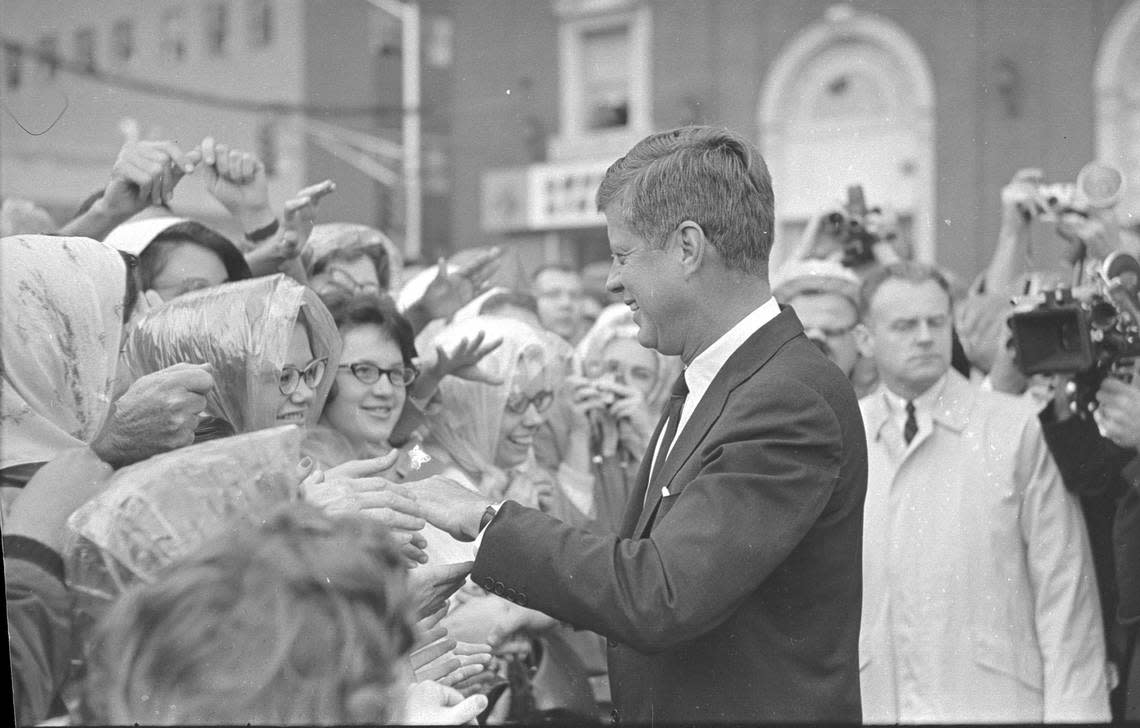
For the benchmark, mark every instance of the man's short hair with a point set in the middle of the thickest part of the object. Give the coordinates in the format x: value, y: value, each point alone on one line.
x: 714, y: 177
x: 906, y: 270
x: 274, y: 624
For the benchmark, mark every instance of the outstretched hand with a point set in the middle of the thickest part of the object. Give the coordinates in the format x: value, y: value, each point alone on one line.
x: 450, y: 290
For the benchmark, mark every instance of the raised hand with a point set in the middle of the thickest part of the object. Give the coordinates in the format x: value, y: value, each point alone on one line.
x: 280, y: 252
x: 451, y: 290
x: 462, y: 361
x: 157, y: 413
x: 237, y: 180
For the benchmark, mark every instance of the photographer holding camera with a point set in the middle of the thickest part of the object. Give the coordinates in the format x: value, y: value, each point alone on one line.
x: 1073, y: 348
x: 851, y: 234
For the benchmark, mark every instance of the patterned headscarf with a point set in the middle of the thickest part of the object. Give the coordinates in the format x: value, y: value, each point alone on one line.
x: 243, y: 329
x: 469, y: 422
x: 63, y: 320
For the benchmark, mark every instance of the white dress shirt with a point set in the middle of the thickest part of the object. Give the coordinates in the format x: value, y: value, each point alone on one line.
x: 700, y: 373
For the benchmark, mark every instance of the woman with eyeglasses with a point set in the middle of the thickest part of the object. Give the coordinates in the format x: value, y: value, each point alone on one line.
x: 370, y: 385
x: 178, y: 256
x: 483, y: 437
x: 270, y: 342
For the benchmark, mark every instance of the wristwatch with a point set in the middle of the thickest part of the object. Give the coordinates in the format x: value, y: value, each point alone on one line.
x: 488, y: 516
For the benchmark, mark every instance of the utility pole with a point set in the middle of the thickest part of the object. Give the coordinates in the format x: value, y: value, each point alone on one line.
x: 408, y: 12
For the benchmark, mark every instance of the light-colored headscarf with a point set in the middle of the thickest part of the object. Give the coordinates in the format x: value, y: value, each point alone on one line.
x: 468, y: 424
x: 616, y: 322
x: 345, y: 239
x: 243, y: 329
x: 63, y: 320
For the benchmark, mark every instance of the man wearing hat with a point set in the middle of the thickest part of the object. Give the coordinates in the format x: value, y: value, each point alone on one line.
x: 825, y: 296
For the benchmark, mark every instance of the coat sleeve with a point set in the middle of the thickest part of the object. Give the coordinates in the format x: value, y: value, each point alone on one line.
x: 1067, y: 612
x: 767, y: 470
x: 39, y: 635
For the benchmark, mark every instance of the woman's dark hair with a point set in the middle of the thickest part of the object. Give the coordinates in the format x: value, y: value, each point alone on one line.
x: 154, y: 257
x: 371, y: 309
x: 377, y: 254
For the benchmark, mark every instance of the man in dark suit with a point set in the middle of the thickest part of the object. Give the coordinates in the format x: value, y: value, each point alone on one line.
x: 733, y: 592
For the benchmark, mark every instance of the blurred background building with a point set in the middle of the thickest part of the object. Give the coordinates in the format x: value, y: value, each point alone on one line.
x: 931, y: 105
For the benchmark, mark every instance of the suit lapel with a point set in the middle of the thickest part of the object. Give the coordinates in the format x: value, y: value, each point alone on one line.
x: 634, y: 508
x: 744, y: 362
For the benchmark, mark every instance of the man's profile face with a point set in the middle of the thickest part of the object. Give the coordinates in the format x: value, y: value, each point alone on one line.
x: 829, y: 319
x: 559, y: 295
x: 643, y: 278
x: 908, y: 333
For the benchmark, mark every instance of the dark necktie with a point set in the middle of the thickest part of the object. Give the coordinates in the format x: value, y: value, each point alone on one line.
x: 676, y: 402
x: 910, y: 429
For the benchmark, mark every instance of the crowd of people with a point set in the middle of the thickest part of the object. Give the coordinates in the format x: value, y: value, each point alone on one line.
x: 294, y: 478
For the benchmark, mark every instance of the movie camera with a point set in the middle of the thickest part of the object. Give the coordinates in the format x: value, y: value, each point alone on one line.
x: 1089, y: 337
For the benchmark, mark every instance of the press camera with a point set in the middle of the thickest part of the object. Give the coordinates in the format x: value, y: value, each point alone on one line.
x: 1089, y: 336
x: 850, y: 227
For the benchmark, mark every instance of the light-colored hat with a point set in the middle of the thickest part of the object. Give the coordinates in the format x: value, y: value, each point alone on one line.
x: 815, y: 276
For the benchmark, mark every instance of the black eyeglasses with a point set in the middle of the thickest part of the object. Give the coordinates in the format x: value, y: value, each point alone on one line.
x: 518, y: 402
x: 370, y: 373
x: 313, y: 373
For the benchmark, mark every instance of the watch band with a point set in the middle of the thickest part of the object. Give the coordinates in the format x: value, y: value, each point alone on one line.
x: 488, y: 516
x: 264, y: 232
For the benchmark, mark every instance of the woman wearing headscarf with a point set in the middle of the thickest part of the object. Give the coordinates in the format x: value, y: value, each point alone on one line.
x: 63, y: 310
x: 270, y: 342
x: 177, y: 255
x: 483, y: 437
x: 615, y: 402
x: 347, y: 258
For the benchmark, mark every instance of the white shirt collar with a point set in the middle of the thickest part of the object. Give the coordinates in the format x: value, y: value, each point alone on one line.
x: 704, y: 368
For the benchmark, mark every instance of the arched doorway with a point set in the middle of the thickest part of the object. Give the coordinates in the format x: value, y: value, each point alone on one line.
x: 1117, y: 80
x: 850, y: 100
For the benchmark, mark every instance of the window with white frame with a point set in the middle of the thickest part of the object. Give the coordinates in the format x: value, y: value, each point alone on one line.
x: 604, y: 71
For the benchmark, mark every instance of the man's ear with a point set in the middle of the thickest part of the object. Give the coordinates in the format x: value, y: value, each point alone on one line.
x: 693, y: 246
x: 865, y: 340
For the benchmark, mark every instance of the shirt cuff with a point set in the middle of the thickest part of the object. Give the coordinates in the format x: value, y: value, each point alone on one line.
x: 479, y: 538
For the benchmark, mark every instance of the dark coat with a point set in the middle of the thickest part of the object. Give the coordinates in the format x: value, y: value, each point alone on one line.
x: 741, y: 600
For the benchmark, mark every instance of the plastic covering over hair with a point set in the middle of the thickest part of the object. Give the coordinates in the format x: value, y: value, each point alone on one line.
x: 243, y: 329
x: 330, y: 240
x: 468, y: 424
x: 163, y: 508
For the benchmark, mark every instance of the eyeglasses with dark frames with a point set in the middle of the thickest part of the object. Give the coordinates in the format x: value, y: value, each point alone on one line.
x: 370, y: 373
x: 312, y: 373
x: 518, y: 401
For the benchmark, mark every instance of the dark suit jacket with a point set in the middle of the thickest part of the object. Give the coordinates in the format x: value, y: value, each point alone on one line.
x: 741, y: 600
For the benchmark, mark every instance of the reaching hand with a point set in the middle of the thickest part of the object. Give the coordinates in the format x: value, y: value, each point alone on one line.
x: 450, y: 290
x: 432, y: 584
x: 157, y: 413
x: 144, y: 173
x: 462, y: 361
x: 42, y: 508
x: 429, y: 703
x: 237, y: 180
x: 375, y: 498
